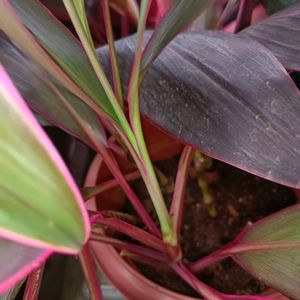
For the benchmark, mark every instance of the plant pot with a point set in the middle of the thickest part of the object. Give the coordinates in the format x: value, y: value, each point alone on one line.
x: 126, y: 279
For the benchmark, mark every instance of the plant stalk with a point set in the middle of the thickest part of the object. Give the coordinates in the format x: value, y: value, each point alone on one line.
x: 244, y: 15
x: 133, y: 232
x: 90, y: 192
x: 178, y: 195
x: 88, y: 268
x: 33, y: 283
x: 112, y: 165
x: 140, y: 250
x: 145, y: 166
x: 91, y: 53
x: 112, y: 51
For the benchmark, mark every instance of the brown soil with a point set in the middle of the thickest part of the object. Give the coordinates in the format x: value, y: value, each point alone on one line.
x: 239, y: 199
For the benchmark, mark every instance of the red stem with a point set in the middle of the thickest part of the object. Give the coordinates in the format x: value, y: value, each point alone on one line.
x: 33, y: 283
x: 180, y: 184
x: 208, y: 260
x: 112, y: 52
x: 144, y: 260
x: 88, y: 268
x: 140, y: 250
x: 113, y: 166
x: 135, y: 201
x: 206, y: 291
x: 133, y: 231
x: 195, y: 283
x: 244, y: 15
x: 109, y: 184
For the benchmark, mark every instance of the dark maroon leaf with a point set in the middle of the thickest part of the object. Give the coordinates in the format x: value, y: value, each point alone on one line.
x: 228, y: 97
x: 35, y: 83
x: 281, y: 34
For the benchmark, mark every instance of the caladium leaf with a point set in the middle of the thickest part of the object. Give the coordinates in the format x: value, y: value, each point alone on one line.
x: 270, y: 250
x: 281, y: 34
x: 58, y: 42
x: 229, y: 98
x: 38, y: 89
x: 273, y: 6
x: 17, y: 261
x: 180, y: 15
x: 40, y: 203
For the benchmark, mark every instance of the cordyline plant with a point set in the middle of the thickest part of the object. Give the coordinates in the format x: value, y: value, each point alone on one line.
x: 227, y: 95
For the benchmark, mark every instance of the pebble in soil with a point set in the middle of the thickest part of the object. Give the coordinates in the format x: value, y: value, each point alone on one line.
x: 239, y: 199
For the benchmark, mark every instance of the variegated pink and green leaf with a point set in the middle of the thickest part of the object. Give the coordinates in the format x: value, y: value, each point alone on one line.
x: 46, y: 40
x: 40, y: 203
x: 17, y: 261
x: 47, y: 97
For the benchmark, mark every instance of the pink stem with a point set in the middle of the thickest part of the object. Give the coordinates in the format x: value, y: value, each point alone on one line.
x: 207, y: 261
x: 144, y: 260
x: 195, y: 283
x: 89, y: 272
x: 112, y: 165
x: 244, y: 15
x: 180, y: 184
x: 112, y: 52
x: 133, y: 231
x: 116, y: 148
x: 206, y: 291
x: 140, y: 250
x: 107, y: 185
x: 214, y: 257
x: 33, y: 283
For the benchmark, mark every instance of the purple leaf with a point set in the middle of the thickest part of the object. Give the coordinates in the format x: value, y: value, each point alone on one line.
x: 281, y: 34
x: 36, y: 86
x: 228, y: 97
x: 17, y: 261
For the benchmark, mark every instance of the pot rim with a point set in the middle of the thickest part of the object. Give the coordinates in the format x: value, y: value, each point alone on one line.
x: 127, y: 281
x: 109, y: 261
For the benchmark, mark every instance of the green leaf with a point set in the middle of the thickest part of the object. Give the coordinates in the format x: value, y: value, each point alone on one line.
x: 181, y: 14
x: 79, y: 5
x: 270, y: 251
x: 40, y: 203
x: 41, y: 91
x: 58, y: 42
x: 273, y: 6
x: 77, y: 15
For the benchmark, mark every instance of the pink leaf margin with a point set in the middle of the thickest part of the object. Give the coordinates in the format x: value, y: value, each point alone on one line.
x: 38, y: 132
x: 24, y: 271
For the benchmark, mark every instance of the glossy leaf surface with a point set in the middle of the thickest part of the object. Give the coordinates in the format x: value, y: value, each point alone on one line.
x: 36, y: 86
x: 281, y: 34
x: 59, y: 43
x: 17, y: 261
x: 40, y: 203
x: 180, y: 15
x: 279, y: 265
x: 227, y: 97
